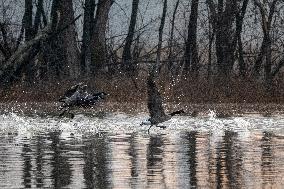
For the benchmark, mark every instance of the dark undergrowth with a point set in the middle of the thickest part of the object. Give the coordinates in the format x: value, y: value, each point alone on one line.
x: 123, y: 88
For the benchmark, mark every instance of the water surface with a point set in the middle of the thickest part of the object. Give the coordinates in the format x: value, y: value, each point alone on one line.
x: 115, y: 152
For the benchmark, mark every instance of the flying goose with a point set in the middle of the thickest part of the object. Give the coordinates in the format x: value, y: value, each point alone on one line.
x: 77, y: 96
x: 156, y: 110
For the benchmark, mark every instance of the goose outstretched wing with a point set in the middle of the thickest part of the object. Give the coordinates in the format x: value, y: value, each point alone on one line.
x: 155, y: 107
x: 70, y: 92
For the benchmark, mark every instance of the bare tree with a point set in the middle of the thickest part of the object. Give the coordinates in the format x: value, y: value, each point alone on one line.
x: 239, y: 27
x: 126, y: 56
x: 160, y: 39
x: 89, y: 12
x: 28, y: 20
x: 99, y: 51
x: 12, y: 68
x: 266, y: 47
x: 211, y: 35
x: 40, y: 17
x: 4, y: 45
x: 27, y: 27
x: 223, y: 19
x: 62, y: 54
x: 171, y: 39
x: 28, y: 32
x: 191, y: 51
x: 39, y: 44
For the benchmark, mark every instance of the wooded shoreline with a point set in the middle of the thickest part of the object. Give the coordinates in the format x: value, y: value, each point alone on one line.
x: 225, y: 52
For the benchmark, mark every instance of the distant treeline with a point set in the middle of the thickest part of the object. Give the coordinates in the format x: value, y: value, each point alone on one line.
x: 49, y: 48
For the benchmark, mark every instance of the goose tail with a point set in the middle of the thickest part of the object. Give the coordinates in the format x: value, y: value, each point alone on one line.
x: 176, y: 112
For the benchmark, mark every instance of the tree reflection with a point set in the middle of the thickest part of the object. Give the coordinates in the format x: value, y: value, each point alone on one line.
x: 133, y: 155
x: 27, y: 167
x: 154, y: 158
x: 39, y: 161
x: 61, y: 172
x: 191, y: 137
x: 267, y: 158
x: 229, y: 162
x: 95, y: 156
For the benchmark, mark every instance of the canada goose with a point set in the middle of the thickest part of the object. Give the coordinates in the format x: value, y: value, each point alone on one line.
x: 156, y: 110
x: 73, y: 92
x: 77, y: 96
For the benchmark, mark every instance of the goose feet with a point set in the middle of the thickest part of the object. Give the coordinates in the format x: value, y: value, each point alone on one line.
x: 67, y: 111
x: 149, y: 129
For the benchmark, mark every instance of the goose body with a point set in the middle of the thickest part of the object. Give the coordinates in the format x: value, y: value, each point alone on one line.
x: 156, y: 110
x: 77, y: 96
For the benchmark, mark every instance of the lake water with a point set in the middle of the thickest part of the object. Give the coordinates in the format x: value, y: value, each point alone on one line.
x: 115, y: 152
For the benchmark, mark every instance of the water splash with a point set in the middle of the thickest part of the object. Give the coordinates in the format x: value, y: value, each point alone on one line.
x: 124, y: 123
x: 212, y: 114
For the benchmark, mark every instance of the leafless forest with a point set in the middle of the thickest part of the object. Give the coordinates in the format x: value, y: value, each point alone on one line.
x: 204, y: 50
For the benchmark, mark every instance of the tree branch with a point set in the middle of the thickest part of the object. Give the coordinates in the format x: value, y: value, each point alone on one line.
x: 4, y: 34
x: 277, y: 68
x: 27, y: 52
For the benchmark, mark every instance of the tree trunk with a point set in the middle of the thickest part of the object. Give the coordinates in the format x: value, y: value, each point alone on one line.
x: 28, y: 20
x: 88, y: 25
x: 266, y: 47
x: 268, y: 64
x: 211, y: 34
x: 126, y: 56
x: 62, y: 54
x: 259, y: 59
x: 99, y: 50
x: 242, y: 64
x: 160, y: 39
x: 12, y: 68
x: 239, y: 26
x: 226, y: 60
x: 223, y: 20
x: 223, y: 16
x: 191, y: 51
x: 5, y: 48
x: 39, y: 16
x: 29, y: 69
x: 278, y: 67
x: 170, y: 57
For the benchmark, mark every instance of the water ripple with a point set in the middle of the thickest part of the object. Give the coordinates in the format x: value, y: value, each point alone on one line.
x: 114, y: 151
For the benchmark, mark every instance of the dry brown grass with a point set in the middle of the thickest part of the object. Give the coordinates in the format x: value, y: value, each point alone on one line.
x: 122, y: 89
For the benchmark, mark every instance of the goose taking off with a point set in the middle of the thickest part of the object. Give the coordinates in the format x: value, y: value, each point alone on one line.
x: 77, y: 96
x: 156, y: 110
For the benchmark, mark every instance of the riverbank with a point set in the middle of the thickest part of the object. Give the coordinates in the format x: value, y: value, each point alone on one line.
x: 197, y: 98
x: 221, y: 110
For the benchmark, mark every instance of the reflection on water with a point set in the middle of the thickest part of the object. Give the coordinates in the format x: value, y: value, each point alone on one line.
x: 95, y: 166
x: 67, y: 157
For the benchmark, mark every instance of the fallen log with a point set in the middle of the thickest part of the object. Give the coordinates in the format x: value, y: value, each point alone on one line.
x: 10, y: 69
x: 22, y: 56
